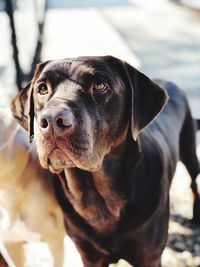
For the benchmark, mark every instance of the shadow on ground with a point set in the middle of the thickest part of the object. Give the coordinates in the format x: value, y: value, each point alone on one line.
x: 187, y: 236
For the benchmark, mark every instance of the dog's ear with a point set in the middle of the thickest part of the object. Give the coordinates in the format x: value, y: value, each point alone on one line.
x: 22, y: 105
x: 147, y: 99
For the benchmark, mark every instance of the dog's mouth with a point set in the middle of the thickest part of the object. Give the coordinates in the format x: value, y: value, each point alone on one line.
x: 65, y: 154
x: 77, y: 151
x: 58, y: 160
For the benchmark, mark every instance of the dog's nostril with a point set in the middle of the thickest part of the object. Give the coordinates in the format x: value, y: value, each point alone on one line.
x: 62, y: 124
x: 44, y: 123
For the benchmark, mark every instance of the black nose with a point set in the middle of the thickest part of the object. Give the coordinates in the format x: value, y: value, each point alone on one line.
x: 57, y: 121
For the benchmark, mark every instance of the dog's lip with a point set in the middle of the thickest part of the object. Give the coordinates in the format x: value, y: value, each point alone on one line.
x: 52, y: 166
x: 63, y: 153
x: 49, y: 162
x: 53, y: 169
x: 54, y: 150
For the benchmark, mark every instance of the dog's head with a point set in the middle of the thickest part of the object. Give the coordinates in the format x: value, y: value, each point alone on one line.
x: 83, y: 108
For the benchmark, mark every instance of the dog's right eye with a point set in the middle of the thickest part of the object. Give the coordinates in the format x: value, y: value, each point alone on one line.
x: 43, y: 89
x: 100, y: 87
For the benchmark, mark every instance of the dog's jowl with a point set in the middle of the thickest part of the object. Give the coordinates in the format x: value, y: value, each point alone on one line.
x: 113, y: 137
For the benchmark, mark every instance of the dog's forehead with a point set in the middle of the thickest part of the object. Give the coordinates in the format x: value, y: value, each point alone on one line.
x: 77, y: 66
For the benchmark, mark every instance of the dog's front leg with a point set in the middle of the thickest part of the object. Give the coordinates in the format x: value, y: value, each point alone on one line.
x: 99, y: 263
x: 91, y: 258
x: 153, y: 263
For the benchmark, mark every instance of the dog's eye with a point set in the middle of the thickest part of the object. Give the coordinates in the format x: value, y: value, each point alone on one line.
x: 99, y: 86
x: 43, y: 89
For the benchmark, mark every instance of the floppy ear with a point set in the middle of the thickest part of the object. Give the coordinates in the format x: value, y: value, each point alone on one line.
x: 147, y: 99
x: 22, y: 105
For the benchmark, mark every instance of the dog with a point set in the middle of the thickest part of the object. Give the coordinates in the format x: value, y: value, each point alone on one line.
x: 28, y: 208
x: 3, y: 263
x: 113, y: 137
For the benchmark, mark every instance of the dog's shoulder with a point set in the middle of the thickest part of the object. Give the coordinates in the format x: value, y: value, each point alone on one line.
x: 176, y: 94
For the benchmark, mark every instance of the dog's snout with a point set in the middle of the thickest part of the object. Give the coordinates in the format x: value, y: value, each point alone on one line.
x: 56, y: 121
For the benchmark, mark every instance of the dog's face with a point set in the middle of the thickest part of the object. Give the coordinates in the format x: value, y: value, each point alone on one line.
x: 83, y: 108
x: 77, y: 104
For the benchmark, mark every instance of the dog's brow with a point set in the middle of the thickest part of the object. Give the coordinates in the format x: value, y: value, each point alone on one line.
x: 74, y: 81
x: 59, y: 73
x: 42, y: 79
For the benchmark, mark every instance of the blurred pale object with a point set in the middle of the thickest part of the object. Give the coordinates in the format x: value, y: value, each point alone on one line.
x: 81, y: 32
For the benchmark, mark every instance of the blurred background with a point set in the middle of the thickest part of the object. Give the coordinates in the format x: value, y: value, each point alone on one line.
x: 159, y: 37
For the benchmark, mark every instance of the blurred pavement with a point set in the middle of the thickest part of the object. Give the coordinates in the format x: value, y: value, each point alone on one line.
x: 195, y: 4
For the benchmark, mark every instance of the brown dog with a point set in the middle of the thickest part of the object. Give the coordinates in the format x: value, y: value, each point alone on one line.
x: 96, y: 126
x: 28, y: 208
x: 3, y: 263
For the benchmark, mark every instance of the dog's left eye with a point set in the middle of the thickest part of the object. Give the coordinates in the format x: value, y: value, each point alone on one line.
x: 43, y: 89
x: 99, y: 86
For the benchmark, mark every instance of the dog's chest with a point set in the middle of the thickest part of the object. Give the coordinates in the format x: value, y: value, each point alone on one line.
x: 94, y: 201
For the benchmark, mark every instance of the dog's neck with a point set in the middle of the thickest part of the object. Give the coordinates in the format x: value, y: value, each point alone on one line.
x: 99, y: 197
